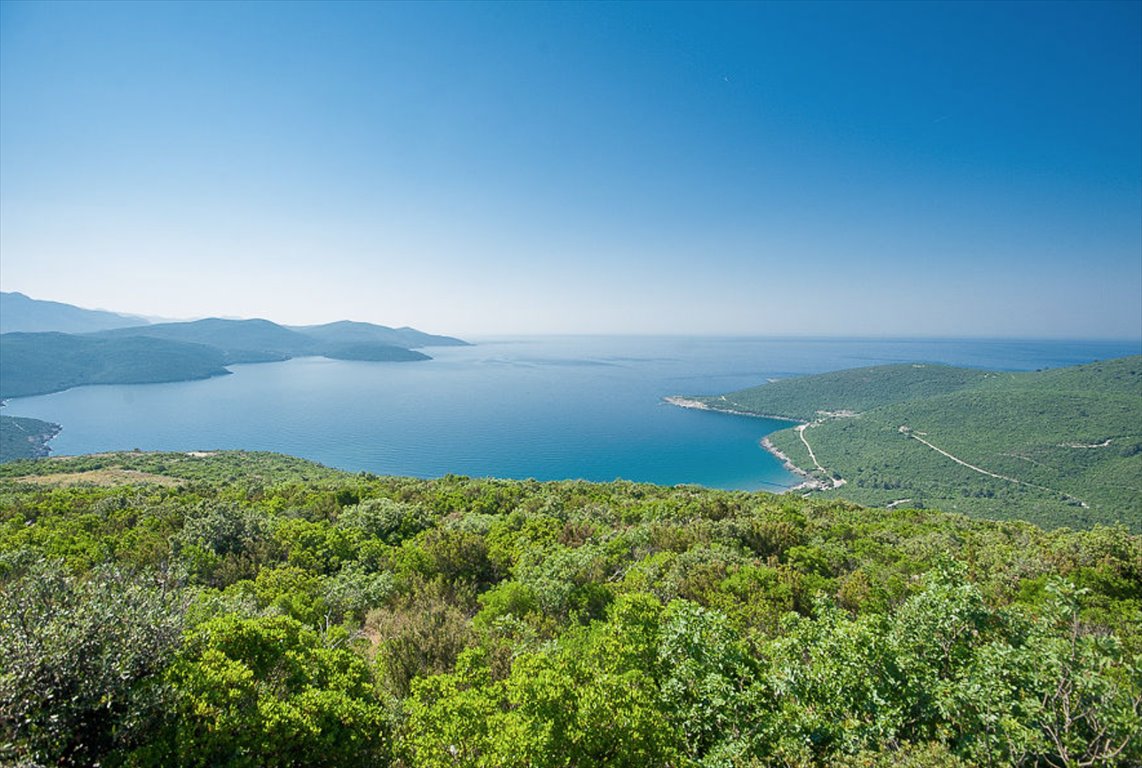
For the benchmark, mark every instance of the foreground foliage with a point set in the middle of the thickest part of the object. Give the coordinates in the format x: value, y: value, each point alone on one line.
x: 271, y: 612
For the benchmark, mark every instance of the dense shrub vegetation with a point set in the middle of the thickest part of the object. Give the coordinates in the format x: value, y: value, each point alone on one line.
x: 266, y: 611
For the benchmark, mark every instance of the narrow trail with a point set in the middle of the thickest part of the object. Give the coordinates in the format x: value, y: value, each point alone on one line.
x: 835, y: 481
x: 801, y: 433
x: 906, y: 430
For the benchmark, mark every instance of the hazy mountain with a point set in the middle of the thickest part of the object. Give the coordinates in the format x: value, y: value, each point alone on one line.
x: 349, y: 332
x: 240, y: 341
x: 22, y: 313
x: 255, y: 341
x: 128, y: 350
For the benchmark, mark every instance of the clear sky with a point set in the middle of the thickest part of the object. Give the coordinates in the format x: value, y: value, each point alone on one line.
x: 908, y: 169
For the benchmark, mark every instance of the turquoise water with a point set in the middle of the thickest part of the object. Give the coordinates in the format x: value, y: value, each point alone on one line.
x: 541, y: 407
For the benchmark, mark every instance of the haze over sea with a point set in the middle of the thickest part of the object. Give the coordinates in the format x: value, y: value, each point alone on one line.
x: 549, y: 408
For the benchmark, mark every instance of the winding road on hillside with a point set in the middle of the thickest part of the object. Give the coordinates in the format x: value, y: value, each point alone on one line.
x: 801, y: 433
x: 800, y: 428
x: 906, y: 430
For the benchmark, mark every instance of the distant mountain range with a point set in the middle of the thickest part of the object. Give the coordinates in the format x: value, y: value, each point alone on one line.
x: 21, y: 313
x: 349, y: 332
x: 37, y: 354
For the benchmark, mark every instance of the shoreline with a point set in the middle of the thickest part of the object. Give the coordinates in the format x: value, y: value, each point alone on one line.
x: 700, y: 405
x: 809, y: 482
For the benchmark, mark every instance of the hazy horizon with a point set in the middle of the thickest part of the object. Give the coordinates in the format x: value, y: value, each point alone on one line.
x: 502, y: 336
x: 856, y: 170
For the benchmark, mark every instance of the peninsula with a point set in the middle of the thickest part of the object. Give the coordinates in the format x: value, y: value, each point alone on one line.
x: 1057, y: 447
x: 22, y: 438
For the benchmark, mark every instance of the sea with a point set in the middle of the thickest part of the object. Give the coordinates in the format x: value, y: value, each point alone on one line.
x: 549, y: 408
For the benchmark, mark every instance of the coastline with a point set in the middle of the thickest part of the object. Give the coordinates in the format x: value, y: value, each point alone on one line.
x: 809, y: 482
x: 682, y: 401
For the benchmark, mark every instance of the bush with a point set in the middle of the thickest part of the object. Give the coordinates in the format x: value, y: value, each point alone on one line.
x: 267, y: 692
x: 81, y: 662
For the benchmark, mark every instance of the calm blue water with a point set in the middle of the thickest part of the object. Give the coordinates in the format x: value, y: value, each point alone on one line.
x: 542, y: 407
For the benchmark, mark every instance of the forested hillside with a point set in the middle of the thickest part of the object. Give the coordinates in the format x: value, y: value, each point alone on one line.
x: 251, y: 609
x: 853, y: 389
x: 1057, y: 447
x: 37, y: 363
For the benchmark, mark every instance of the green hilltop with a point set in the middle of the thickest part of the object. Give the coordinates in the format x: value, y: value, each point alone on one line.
x: 1058, y: 447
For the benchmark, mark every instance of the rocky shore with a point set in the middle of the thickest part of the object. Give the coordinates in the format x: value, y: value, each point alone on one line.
x: 810, y: 482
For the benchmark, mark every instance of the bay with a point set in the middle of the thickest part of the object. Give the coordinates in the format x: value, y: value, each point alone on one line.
x: 549, y: 408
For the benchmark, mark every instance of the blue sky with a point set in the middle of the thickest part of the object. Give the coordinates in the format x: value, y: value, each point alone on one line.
x: 905, y: 169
